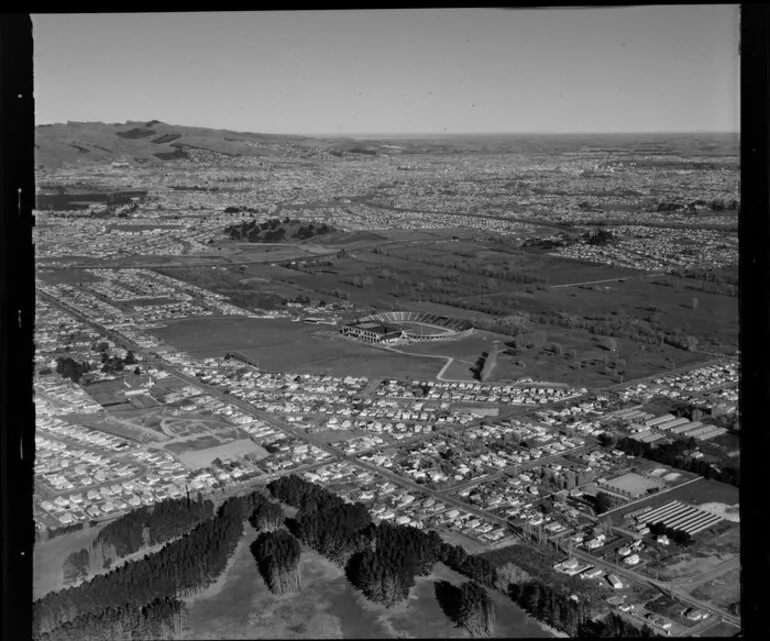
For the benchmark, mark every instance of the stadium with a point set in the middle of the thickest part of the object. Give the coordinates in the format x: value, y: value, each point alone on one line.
x: 407, y: 327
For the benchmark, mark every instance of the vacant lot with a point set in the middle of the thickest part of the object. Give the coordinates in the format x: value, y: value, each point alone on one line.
x: 722, y: 591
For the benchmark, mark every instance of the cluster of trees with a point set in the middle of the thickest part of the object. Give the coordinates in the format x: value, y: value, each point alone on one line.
x: 180, y: 568
x: 550, y: 604
x: 266, y: 516
x: 526, y: 338
x: 112, y: 364
x: 603, y: 502
x: 477, y: 369
x: 675, y: 455
x: 274, y: 230
x: 381, y: 560
x: 238, y: 210
x: 715, y: 205
x: 160, y: 619
x: 277, y: 555
x: 468, y: 605
x: 68, y: 367
x: 565, y: 479
x: 680, y: 537
x: 599, y: 237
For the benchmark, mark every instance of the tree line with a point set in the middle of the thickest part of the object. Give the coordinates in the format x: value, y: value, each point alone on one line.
x: 149, y: 525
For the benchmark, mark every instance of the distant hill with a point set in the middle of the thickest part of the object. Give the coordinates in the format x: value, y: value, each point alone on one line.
x: 157, y: 142
x: 150, y: 142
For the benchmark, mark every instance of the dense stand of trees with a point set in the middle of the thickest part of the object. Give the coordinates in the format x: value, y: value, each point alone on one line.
x: 181, y: 568
x: 160, y: 619
x: 266, y: 516
x: 277, y: 554
x: 148, y: 526
x: 68, y: 367
x: 380, y: 560
x: 550, y: 605
x: 674, y: 454
x: 468, y: 606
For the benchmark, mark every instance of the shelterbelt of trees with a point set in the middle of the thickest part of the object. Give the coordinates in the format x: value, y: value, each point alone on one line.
x: 140, y: 598
x: 140, y: 527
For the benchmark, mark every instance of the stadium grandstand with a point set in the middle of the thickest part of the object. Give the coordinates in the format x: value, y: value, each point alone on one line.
x: 407, y: 326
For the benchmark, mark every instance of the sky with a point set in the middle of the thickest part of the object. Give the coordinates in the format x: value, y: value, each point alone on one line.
x: 672, y: 68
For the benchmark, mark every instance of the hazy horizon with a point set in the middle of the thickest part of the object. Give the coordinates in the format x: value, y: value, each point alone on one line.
x: 656, y: 69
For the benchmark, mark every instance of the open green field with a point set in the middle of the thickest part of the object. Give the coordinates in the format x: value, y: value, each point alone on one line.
x: 239, y: 606
x: 280, y: 345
